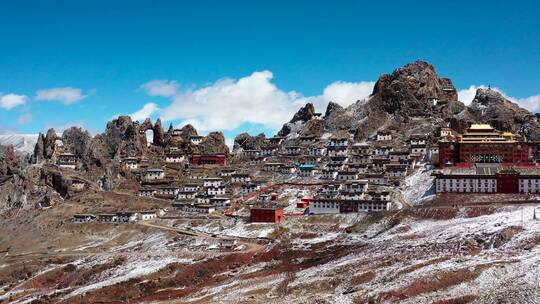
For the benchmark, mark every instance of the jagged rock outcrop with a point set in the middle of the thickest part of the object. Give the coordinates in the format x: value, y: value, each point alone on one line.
x: 45, y: 146
x: 49, y: 143
x: 305, y: 114
x: 159, y: 134
x: 332, y: 109
x: 411, y: 90
x: 188, y: 131
x: 214, y: 142
x: 121, y: 138
x: 77, y: 141
x: 39, y: 149
x: 491, y: 107
x: 247, y: 142
x: 410, y: 99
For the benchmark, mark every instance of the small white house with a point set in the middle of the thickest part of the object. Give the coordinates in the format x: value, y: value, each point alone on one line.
x: 127, y: 217
x: 196, y: 140
x: 332, y: 151
x: 292, y: 150
x: 339, y: 142
x: 384, y: 135
x: 220, y: 202
x: 287, y: 169
x: 154, y: 174
x: 146, y: 192
x: 307, y: 170
x: 174, y: 158
x: 130, y: 163
x: 346, y: 176
x: 328, y: 174
x: 212, y: 182
x: 191, y: 187
x: 219, y: 190
x: 147, y: 215
x: 249, y: 188
x: 226, y: 172
x: 67, y: 161
x: 186, y: 195
x: 240, y: 178
x: 272, y: 167
x: 170, y: 191
x: 417, y: 139
x: 269, y: 150
x: 83, y: 218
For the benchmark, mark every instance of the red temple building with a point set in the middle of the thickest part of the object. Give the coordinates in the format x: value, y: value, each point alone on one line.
x: 266, y: 215
x: 481, y: 143
x: 208, y: 159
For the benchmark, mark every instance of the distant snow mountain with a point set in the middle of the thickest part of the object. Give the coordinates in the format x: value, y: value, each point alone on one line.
x: 23, y: 143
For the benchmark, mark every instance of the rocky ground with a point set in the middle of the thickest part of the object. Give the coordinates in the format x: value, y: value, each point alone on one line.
x: 476, y: 254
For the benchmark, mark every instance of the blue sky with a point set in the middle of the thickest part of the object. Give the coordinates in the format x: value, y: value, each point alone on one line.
x: 245, y: 65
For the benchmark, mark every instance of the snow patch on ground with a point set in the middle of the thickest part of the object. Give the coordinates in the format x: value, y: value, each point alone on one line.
x: 417, y: 186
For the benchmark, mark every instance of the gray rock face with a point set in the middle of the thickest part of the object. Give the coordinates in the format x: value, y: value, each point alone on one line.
x: 410, y: 90
x: 159, y: 134
x: 248, y: 142
x: 491, y: 107
x: 305, y: 114
x: 332, y: 108
x: 214, y: 142
x: 415, y: 98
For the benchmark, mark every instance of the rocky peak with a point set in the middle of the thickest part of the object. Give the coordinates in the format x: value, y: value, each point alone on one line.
x: 305, y: 113
x: 159, y: 134
x: 50, y: 140
x: 332, y: 108
x: 121, y: 136
x: 485, y: 97
x: 410, y: 90
x: 248, y: 142
x: 214, y: 142
x: 490, y: 106
x: 77, y: 141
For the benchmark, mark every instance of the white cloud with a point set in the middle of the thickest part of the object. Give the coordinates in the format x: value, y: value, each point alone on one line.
x: 11, y: 101
x: 345, y: 93
x: 66, y: 95
x: 146, y: 111
x: 531, y: 103
x: 164, y: 88
x: 24, y: 118
x: 228, y: 103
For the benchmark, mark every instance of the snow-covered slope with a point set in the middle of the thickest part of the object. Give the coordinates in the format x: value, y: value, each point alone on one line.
x: 23, y: 143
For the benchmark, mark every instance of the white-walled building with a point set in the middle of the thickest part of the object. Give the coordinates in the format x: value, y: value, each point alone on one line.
x: 240, y: 178
x: 174, y: 158
x: 219, y: 190
x: 130, y: 163
x: 212, y: 182
x: 154, y: 174
x: 384, y: 135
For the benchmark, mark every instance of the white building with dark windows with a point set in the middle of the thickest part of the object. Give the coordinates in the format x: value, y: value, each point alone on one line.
x: 212, y: 182
x: 384, y: 135
x: 130, y: 163
x: 240, y: 178
x: 154, y: 174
